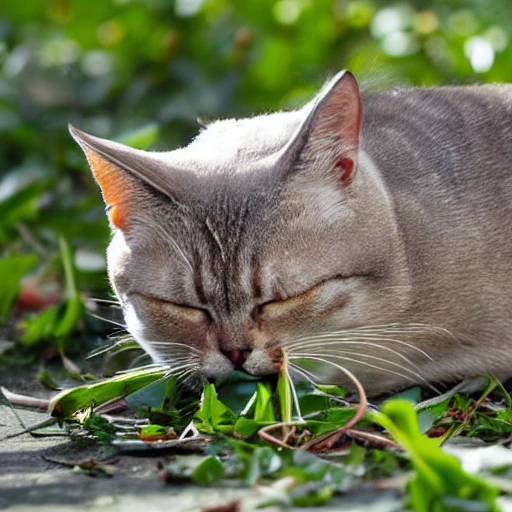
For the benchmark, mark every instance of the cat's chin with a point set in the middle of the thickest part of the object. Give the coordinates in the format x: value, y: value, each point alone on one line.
x: 214, y: 365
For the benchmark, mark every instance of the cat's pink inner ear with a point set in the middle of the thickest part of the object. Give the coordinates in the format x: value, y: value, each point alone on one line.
x: 116, y: 186
x: 341, y: 113
x: 346, y: 168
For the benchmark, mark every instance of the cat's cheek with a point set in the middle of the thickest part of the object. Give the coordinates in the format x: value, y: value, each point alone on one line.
x: 261, y: 362
x: 136, y: 328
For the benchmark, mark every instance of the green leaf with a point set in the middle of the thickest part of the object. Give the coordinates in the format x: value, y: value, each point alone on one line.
x: 21, y: 205
x: 214, y: 416
x: 264, y: 409
x: 246, y: 427
x: 209, y: 471
x: 440, y: 484
x: 73, y: 309
x: 40, y: 326
x: 47, y: 380
x: 12, y: 269
x: 70, y: 401
x: 140, y: 138
x: 285, y: 396
x: 332, y: 390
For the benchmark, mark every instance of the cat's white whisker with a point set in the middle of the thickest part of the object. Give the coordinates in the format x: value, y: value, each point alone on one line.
x: 321, y: 344
x: 173, y: 344
x: 309, y: 376
x: 144, y: 355
x: 172, y: 370
x: 104, y: 301
x: 335, y: 355
x: 172, y: 361
x: 108, y: 320
x: 313, y: 356
x: 380, y: 333
x: 410, y: 328
x: 144, y: 367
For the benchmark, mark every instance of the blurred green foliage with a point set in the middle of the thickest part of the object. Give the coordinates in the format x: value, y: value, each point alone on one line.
x: 141, y: 71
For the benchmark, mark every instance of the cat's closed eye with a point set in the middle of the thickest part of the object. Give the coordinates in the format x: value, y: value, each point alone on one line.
x: 185, y: 311
x: 326, y: 290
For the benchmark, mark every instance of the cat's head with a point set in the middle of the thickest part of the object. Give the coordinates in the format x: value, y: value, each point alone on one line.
x: 260, y: 233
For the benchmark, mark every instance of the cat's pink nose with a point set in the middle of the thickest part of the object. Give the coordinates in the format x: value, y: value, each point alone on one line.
x: 237, y: 357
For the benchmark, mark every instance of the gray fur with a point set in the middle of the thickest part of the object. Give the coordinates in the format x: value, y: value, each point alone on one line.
x: 408, y: 265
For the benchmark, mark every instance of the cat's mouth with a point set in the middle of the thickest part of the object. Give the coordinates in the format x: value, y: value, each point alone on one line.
x: 256, y: 362
x: 238, y: 359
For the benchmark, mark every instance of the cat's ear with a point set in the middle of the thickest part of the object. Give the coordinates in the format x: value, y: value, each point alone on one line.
x: 122, y: 174
x: 330, y: 133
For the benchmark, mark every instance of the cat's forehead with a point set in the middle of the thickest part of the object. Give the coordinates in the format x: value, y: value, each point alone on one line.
x: 234, y: 143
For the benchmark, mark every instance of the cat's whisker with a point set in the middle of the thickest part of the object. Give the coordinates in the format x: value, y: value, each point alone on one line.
x: 409, y: 328
x: 113, y: 348
x: 314, y: 356
x: 171, y: 360
x: 111, y: 302
x: 173, y: 344
x: 144, y: 355
x: 321, y: 344
x: 335, y: 355
x: 192, y: 375
x: 143, y: 367
x: 381, y: 333
x: 183, y: 376
x: 172, y: 370
x: 339, y: 340
x: 108, y: 320
x: 183, y: 362
x: 309, y: 376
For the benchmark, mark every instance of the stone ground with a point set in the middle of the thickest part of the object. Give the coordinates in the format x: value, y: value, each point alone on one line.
x: 37, y: 475
x: 30, y: 480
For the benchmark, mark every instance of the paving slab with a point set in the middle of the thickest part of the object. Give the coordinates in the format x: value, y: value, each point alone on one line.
x: 31, y: 481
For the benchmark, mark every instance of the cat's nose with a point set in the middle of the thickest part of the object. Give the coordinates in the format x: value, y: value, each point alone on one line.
x: 237, y: 357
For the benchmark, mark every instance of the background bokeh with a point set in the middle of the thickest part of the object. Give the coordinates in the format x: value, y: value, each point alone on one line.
x: 141, y: 71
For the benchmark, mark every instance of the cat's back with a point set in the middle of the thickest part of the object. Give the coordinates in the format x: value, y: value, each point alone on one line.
x: 448, y: 146
x: 445, y: 157
x: 440, y: 127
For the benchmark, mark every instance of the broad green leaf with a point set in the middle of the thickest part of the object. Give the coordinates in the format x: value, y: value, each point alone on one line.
x: 440, y: 484
x: 246, y: 427
x: 70, y: 401
x: 214, y: 416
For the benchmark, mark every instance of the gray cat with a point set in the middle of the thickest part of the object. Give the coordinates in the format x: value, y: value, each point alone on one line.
x: 371, y: 235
